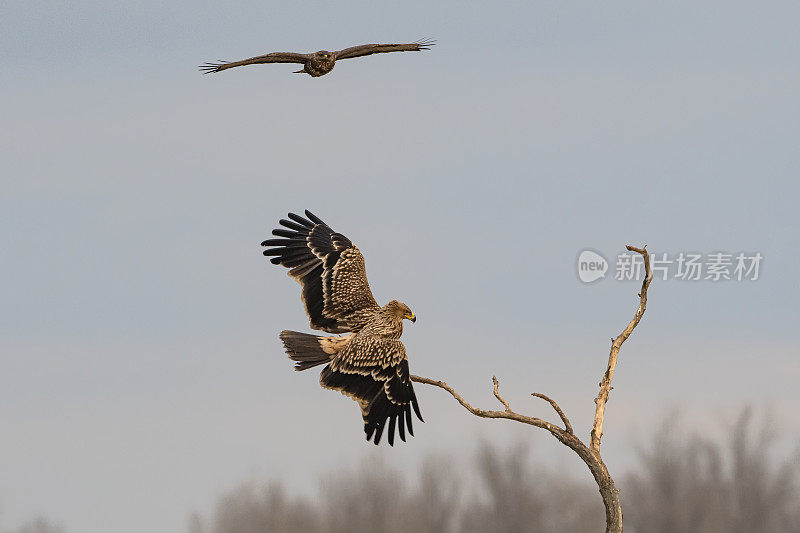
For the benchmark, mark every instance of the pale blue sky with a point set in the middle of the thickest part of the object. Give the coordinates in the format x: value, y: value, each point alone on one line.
x: 141, y: 370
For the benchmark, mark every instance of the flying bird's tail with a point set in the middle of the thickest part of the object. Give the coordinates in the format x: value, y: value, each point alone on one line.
x: 311, y: 350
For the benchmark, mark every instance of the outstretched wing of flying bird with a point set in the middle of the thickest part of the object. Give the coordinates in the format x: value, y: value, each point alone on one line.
x: 369, y: 49
x: 274, y: 57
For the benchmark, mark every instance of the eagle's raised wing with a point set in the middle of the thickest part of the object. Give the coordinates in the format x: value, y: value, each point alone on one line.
x: 368, y: 49
x: 374, y: 372
x: 331, y: 270
x: 274, y: 57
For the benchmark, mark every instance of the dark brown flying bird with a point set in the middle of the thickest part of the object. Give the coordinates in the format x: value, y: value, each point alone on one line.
x: 319, y: 63
x: 369, y: 363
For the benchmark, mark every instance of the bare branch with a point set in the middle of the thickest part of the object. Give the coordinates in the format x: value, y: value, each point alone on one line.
x: 616, y: 344
x: 605, y: 483
x: 510, y: 415
x: 497, y: 394
x: 561, y: 414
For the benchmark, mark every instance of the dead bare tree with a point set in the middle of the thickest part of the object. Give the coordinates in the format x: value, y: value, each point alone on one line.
x: 590, y: 454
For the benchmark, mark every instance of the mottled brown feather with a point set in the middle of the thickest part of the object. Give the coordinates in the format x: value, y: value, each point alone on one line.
x: 331, y: 270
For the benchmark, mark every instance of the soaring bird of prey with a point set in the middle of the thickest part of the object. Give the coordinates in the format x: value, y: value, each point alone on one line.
x: 369, y: 362
x: 319, y: 63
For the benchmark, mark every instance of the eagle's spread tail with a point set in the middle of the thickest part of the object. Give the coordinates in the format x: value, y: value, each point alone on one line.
x: 311, y: 350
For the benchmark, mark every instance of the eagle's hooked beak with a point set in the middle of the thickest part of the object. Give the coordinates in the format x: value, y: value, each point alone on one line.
x: 410, y: 316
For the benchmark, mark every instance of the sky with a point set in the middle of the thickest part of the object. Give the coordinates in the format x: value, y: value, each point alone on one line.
x: 141, y: 373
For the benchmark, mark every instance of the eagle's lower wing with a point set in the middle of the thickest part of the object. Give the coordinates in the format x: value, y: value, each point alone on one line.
x: 368, y: 49
x: 274, y: 57
x: 331, y: 270
x: 374, y: 372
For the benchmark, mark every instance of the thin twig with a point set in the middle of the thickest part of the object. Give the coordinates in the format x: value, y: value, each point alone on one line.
x: 496, y: 386
x: 561, y: 414
x: 605, y: 384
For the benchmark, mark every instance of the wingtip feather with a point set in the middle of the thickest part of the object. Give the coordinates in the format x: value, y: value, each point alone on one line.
x: 314, y: 218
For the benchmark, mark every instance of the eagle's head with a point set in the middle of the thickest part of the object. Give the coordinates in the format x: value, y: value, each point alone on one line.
x: 323, y: 56
x: 400, y: 311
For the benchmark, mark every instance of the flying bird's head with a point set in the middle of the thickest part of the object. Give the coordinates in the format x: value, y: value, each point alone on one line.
x: 400, y: 311
x: 320, y: 63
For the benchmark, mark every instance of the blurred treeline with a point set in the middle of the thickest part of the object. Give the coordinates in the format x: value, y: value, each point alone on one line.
x: 38, y: 525
x: 682, y: 483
